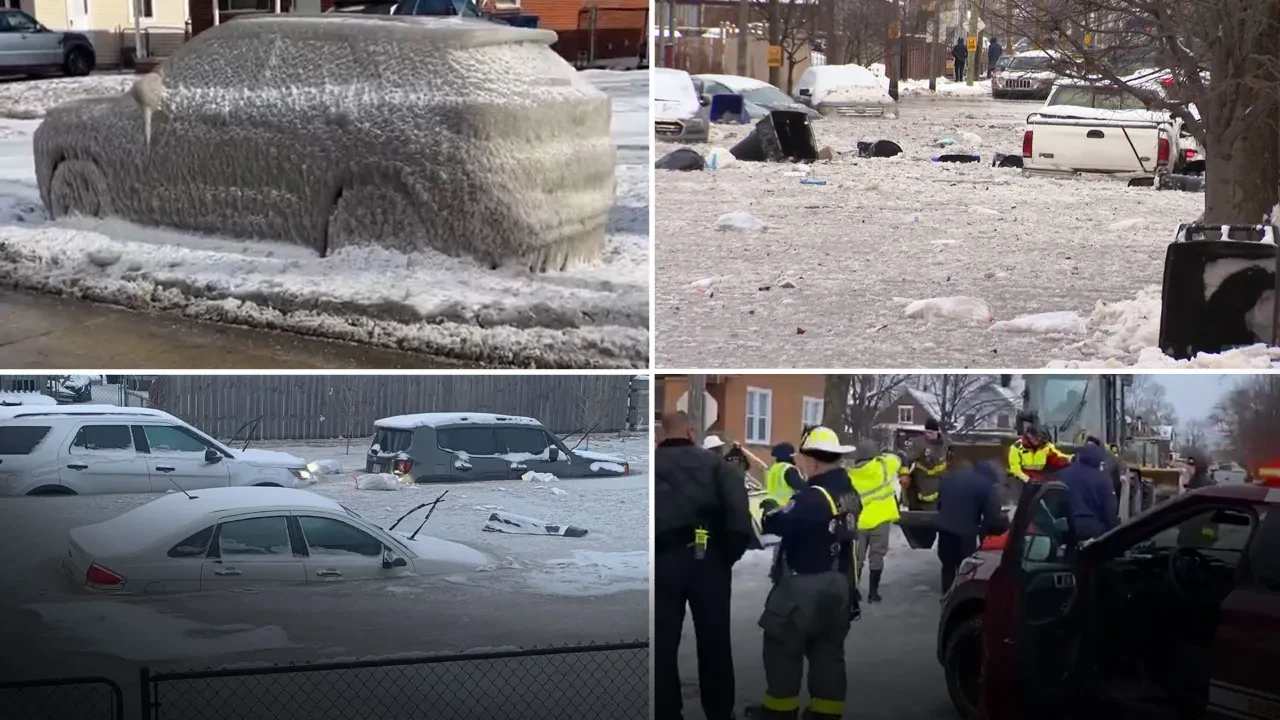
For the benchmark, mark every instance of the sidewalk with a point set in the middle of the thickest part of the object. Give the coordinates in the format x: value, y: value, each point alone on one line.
x: 52, y: 333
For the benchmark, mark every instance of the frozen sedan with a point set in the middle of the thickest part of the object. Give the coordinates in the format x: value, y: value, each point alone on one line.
x: 449, y: 134
x: 241, y: 537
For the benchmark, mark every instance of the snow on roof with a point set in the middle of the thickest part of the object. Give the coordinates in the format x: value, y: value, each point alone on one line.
x: 72, y: 410
x: 928, y: 401
x: 410, y: 422
x: 25, y: 398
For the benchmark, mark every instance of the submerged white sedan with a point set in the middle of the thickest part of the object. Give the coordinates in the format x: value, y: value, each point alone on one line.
x: 240, y: 537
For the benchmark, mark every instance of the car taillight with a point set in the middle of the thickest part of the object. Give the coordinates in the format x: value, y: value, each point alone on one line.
x: 1167, y: 82
x: 1190, y: 154
x: 1162, y: 152
x: 1026, y: 144
x: 626, y: 468
x: 101, y: 578
x: 402, y: 466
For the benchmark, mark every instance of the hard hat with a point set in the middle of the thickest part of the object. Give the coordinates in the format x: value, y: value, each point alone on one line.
x: 711, y: 442
x: 824, y: 439
x: 866, y: 450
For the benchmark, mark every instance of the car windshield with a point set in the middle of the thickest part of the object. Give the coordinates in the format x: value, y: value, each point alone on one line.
x: 766, y: 95
x: 1030, y: 63
x: 1100, y: 98
x: 1004, y: 62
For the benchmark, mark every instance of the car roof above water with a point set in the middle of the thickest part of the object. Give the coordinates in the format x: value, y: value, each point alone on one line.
x: 440, y: 419
x: 464, y: 31
x: 37, y: 411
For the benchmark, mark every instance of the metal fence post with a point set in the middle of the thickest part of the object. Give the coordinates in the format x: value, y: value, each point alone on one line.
x: 144, y: 693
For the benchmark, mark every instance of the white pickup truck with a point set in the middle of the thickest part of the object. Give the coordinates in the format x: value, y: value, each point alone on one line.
x: 1099, y: 129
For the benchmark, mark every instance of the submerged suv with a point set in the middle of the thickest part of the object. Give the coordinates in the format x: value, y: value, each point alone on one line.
x: 1173, y: 614
x: 454, y: 447
x: 90, y: 449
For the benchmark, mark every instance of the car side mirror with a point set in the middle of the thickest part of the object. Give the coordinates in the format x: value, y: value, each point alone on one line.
x: 805, y: 92
x: 553, y: 453
x: 212, y: 456
x: 704, y: 100
x: 389, y: 562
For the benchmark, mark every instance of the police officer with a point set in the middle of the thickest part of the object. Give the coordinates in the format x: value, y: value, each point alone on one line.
x: 872, y: 475
x: 922, y: 473
x: 814, y: 597
x: 702, y: 526
x: 783, y: 478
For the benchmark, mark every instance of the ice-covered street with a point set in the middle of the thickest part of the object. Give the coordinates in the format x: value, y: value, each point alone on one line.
x: 536, y: 591
x: 903, y: 262
x: 596, y: 316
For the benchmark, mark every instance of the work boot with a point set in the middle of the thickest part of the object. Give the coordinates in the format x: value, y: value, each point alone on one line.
x: 760, y: 712
x: 874, y: 594
x: 809, y: 714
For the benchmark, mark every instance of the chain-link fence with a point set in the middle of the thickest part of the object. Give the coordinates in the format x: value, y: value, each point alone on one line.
x: 87, y: 698
x: 577, y: 682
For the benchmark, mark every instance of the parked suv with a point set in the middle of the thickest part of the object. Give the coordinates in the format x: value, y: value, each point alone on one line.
x: 1174, y: 614
x: 452, y: 447
x: 89, y: 449
x: 26, y: 46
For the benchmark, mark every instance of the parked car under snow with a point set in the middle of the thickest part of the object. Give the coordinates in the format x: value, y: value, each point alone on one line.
x: 459, y: 447
x: 224, y: 538
x: 412, y: 133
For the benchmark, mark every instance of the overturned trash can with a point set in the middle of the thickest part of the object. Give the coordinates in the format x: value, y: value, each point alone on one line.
x: 920, y: 527
x: 780, y: 136
x: 728, y: 108
x: 1221, y: 289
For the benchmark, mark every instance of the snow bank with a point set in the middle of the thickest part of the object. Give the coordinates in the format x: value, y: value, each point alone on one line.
x: 955, y: 308
x: 377, y: 481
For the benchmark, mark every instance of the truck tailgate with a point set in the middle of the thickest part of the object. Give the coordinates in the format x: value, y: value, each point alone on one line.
x: 1093, y: 147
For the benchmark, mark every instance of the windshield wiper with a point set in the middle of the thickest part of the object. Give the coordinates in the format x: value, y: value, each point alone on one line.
x: 431, y: 504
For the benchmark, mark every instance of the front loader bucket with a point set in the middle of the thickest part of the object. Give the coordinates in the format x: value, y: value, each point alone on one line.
x: 1218, y: 294
x: 780, y: 136
x: 920, y: 528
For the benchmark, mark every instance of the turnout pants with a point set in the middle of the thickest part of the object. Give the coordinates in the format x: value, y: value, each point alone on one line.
x: 805, y: 617
x: 704, y: 586
x: 952, y: 550
x: 872, y: 546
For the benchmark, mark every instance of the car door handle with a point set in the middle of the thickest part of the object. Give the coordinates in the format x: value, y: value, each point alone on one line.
x: 165, y: 469
x: 228, y: 571
x: 78, y: 467
x: 1096, y: 134
x: 329, y: 573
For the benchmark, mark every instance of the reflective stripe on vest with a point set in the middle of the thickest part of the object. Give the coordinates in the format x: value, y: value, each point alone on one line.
x: 1030, y: 461
x: 831, y: 502
x: 775, y: 482
x: 879, y: 500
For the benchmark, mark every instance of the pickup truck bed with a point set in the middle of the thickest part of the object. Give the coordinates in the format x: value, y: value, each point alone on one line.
x: 1084, y: 140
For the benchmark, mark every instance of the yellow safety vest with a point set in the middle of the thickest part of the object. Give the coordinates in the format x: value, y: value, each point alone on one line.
x: 1023, y: 460
x: 775, y: 482
x: 874, y: 484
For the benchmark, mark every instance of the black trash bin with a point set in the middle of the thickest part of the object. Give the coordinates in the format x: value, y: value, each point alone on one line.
x: 780, y: 136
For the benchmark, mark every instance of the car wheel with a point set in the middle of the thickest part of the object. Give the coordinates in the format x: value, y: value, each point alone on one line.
x: 268, y: 484
x: 962, y: 662
x: 380, y: 216
x: 49, y: 490
x: 79, y: 62
x: 78, y: 187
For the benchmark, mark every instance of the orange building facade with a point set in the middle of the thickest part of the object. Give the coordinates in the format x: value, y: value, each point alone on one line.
x: 757, y: 411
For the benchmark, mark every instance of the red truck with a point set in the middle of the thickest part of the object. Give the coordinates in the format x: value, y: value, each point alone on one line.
x: 1175, y: 614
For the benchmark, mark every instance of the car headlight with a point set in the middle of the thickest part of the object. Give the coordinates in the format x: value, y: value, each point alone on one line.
x: 300, y: 473
x: 696, y: 123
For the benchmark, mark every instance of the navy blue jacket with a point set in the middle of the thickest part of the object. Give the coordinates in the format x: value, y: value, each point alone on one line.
x: 1092, y: 496
x: 804, y: 525
x: 969, y: 503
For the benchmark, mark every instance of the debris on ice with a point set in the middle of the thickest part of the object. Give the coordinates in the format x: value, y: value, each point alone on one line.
x: 377, y: 481
x: 740, y: 221
x: 1063, y: 322
x: 1130, y: 224
x: 959, y: 307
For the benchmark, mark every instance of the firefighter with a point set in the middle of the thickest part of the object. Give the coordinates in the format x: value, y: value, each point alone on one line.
x: 922, y: 473
x: 783, y: 478
x: 872, y: 475
x: 814, y: 598
x: 1032, y: 455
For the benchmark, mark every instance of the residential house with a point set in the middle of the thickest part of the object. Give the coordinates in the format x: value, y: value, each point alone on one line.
x: 757, y: 411
x: 110, y: 23
x: 988, y: 412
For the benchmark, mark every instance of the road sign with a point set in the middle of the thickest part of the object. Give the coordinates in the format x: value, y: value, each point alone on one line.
x: 971, y: 43
x: 775, y: 56
x: 710, y: 408
x: 895, y: 31
x: 1088, y: 38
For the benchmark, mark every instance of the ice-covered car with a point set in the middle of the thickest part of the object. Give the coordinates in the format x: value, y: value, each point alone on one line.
x: 1027, y: 75
x: 90, y: 449
x: 224, y: 538
x: 678, y: 114
x: 454, y: 134
x: 845, y: 90
x: 456, y: 447
x: 759, y: 97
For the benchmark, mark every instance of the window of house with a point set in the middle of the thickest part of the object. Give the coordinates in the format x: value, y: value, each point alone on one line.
x: 759, y: 415
x: 811, y: 413
x: 906, y: 415
x: 971, y: 420
x: 142, y: 8
x: 1003, y: 421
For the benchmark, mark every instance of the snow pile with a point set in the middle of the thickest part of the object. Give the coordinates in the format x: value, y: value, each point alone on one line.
x: 1129, y: 225
x: 740, y: 221
x: 608, y: 467
x: 325, y: 467
x: 377, y: 481
x: 719, y: 159
x: 957, y: 308
x: 1064, y: 322
x: 532, y: 476
x: 33, y: 98
x: 947, y: 88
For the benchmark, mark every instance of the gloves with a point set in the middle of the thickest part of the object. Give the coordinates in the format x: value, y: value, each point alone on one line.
x: 768, y: 505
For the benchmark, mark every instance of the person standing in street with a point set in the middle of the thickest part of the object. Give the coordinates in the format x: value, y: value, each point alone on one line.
x: 1090, y: 492
x: 783, y: 477
x: 961, y: 55
x: 968, y: 508
x: 702, y: 527
x: 922, y: 472
x: 994, y: 51
x: 814, y: 599
x: 873, y: 475
x: 1032, y: 455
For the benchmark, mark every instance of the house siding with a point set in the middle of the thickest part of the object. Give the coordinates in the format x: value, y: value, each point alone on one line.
x: 730, y: 391
x: 52, y: 13
x: 111, y: 27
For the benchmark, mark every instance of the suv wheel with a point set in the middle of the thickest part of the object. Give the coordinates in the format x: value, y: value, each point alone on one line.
x: 962, y: 663
x: 79, y: 62
x: 48, y: 490
x: 78, y: 187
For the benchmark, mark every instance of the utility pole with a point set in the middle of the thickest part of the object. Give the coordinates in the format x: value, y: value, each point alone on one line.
x: 933, y: 45
x: 971, y: 43
x: 671, y: 33
x: 893, y: 50
x: 697, y: 405
x: 1008, y: 27
x: 744, y: 35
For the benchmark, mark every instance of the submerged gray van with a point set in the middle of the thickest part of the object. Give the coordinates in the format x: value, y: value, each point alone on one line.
x: 454, y: 447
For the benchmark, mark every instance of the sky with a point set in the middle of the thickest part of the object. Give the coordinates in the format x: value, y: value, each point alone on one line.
x: 1194, y: 396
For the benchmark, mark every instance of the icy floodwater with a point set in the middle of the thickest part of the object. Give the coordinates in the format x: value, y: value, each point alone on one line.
x: 595, y: 316
x: 1068, y: 271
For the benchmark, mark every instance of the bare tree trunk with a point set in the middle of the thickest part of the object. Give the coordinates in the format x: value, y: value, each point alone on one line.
x: 835, y: 403
x: 1242, y: 168
x: 697, y: 405
x: 835, y: 38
